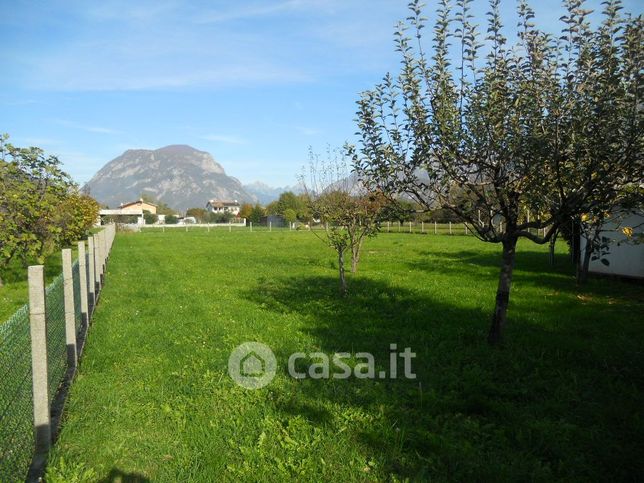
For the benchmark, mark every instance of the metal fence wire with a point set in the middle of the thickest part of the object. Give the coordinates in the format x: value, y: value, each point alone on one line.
x: 56, y: 340
x: 78, y: 316
x: 17, y: 439
x: 16, y: 400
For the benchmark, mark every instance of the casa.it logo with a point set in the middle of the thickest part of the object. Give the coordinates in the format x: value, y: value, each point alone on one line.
x: 252, y: 365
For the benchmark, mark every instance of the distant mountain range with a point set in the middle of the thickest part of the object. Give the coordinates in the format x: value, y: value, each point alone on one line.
x: 178, y: 175
x: 265, y: 193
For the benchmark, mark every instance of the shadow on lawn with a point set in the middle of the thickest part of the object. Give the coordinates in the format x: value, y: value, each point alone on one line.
x: 539, y: 408
x: 118, y: 476
x: 530, y: 267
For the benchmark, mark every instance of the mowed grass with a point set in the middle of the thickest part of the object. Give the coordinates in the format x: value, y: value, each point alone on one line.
x: 561, y: 400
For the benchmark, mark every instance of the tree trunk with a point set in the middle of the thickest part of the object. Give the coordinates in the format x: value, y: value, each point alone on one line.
x: 503, y: 292
x: 551, y: 252
x: 355, y: 257
x: 343, y: 281
x: 583, y: 266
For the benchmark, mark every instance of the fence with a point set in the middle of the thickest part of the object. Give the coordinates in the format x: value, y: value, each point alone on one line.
x: 417, y: 227
x: 39, y: 350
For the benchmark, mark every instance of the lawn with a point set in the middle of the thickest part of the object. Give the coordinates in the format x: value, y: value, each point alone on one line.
x: 561, y: 400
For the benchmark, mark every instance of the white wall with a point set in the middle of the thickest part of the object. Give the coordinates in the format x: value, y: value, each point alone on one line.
x: 626, y: 259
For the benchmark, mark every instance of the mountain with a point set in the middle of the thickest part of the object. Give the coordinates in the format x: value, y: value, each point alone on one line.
x: 179, y: 175
x: 265, y: 193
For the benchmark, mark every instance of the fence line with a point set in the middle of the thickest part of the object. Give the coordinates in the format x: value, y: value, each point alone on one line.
x: 39, y: 350
x: 418, y: 228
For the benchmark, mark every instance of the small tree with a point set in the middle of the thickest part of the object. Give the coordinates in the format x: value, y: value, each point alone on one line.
x: 245, y: 210
x: 347, y: 212
x: 256, y: 214
x: 150, y: 218
x: 198, y: 214
x: 290, y: 216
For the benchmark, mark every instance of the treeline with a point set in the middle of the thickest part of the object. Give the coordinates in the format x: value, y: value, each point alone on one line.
x: 41, y: 208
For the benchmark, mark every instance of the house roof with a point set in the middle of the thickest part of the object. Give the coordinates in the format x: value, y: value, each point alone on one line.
x: 123, y: 205
x: 221, y: 204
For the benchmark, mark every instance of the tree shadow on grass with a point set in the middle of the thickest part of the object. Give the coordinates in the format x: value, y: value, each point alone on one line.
x: 540, y: 408
x: 531, y: 267
x: 118, y: 476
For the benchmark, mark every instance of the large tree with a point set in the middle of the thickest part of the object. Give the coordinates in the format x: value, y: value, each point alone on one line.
x: 40, y: 207
x: 549, y: 126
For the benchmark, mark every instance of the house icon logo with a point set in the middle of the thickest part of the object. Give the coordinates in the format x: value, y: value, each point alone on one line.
x: 252, y: 365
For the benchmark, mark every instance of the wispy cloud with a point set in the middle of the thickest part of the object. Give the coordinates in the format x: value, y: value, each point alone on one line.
x: 87, y: 128
x: 224, y: 138
x: 308, y: 131
x: 253, y: 10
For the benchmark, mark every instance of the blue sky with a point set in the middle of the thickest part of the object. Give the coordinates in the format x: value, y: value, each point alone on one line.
x: 255, y: 83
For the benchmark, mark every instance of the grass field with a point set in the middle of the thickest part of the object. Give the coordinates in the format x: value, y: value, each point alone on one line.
x: 562, y: 400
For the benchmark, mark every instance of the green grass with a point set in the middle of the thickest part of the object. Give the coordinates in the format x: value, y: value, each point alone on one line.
x: 562, y: 400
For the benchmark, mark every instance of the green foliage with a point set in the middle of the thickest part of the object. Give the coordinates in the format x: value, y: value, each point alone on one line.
x: 290, y: 201
x: 549, y: 125
x: 256, y: 214
x: 171, y: 220
x: 224, y: 217
x: 245, y: 210
x: 290, y: 215
x: 40, y: 207
x: 200, y: 214
x: 150, y: 218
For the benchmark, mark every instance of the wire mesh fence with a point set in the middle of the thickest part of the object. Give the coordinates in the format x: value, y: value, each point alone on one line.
x: 17, y: 381
x: 56, y: 344
x: 16, y: 401
x: 78, y: 316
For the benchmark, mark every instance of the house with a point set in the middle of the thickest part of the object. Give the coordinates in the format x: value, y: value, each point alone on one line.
x: 215, y: 206
x: 140, y: 205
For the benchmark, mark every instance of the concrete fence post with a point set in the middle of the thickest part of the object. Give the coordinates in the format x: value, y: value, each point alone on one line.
x: 450, y: 227
x: 82, y: 270
x: 91, y: 272
x: 230, y: 227
x: 388, y: 223
x: 70, y: 315
x: 270, y: 226
x: 410, y: 227
x: 40, y: 385
x: 422, y: 227
x: 435, y: 228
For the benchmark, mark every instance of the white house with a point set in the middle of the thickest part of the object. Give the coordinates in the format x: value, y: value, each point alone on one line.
x: 216, y: 206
